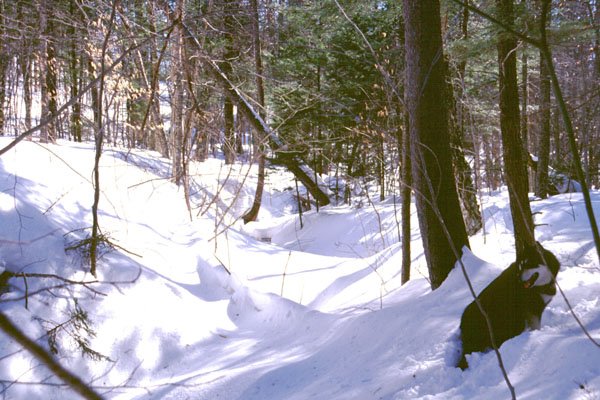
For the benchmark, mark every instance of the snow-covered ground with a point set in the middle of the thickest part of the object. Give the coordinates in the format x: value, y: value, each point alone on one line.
x: 196, y: 305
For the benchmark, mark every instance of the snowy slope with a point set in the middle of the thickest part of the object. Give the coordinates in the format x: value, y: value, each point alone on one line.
x: 197, y: 305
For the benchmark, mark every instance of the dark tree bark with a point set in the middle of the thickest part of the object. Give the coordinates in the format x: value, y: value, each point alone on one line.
x: 406, y: 190
x: 512, y: 147
x: 252, y: 214
x: 156, y: 139
x: 229, y: 145
x: 543, y: 148
x: 48, y: 71
x: 74, y: 71
x: 440, y: 218
x: 4, y: 59
x: 73, y: 381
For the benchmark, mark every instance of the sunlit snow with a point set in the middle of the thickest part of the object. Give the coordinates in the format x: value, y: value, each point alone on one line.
x: 194, y: 304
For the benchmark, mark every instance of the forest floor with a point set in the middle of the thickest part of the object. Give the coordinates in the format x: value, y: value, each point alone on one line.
x: 192, y: 304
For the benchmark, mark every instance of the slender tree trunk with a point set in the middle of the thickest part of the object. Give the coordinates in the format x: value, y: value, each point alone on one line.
x: 524, y: 106
x: 25, y: 65
x: 43, y: 356
x: 4, y: 60
x: 177, y: 101
x: 467, y: 191
x: 157, y: 139
x: 48, y: 71
x: 3, y: 66
x: 406, y: 191
x: 252, y: 214
x: 99, y: 141
x: 514, y: 161
x: 543, y: 148
x: 381, y: 167
x: 229, y: 145
x: 74, y: 67
x: 440, y: 218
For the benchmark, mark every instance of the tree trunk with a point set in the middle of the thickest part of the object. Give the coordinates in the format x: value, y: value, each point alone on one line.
x: 46, y: 359
x: 74, y: 66
x: 512, y: 147
x: 406, y: 190
x: 440, y: 218
x: 524, y: 113
x: 4, y: 60
x: 48, y: 73
x: 156, y: 139
x: 25, y: 65
x: 229, y: 145
x: 3, y: 67
x: 99, y: 141
x: 543, y: 148
x: 252, y: 214
x: 177, y: 102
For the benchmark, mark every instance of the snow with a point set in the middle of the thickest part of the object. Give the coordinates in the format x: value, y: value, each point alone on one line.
x: 194, y: 304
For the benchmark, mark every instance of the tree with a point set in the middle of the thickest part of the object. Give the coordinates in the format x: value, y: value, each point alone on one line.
x: 543, y: 148
x: 73, y: 381
x: 229, y: 54
x: 48, y: 70
x: 440, y: 219
x: 406, y: 195
x: 178, y: 99
x: 290, y: 160
x: 252, y: 214
x: 74, y: 71
x: 4, y: 61
x: 463, y: 173
x: 512, y: 148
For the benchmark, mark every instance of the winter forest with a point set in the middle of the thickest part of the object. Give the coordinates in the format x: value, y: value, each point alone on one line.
x: 299, y: 199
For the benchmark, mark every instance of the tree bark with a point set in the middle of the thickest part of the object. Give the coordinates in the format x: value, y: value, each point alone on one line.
x: 177, y: 102
x: 46, y: 359
x: 440, y: 218
x: 512, y: 148
x: 229, y: 145
x: 48, y: 74
x: 74, y: 70
x: 543, y: 147
x: 252, y: 214
x: 406, y: 190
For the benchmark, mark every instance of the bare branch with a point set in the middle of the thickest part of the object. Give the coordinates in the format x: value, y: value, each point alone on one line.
x: 43, y: 356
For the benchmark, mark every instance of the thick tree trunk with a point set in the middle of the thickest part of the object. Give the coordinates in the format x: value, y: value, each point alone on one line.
x: 512, y: 147
x: 440, y: 218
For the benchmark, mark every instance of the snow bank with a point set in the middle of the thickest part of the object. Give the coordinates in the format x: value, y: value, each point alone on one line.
x: 196, y: 305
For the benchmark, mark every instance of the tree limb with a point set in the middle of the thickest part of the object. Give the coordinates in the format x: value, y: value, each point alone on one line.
x: 44, y: 357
